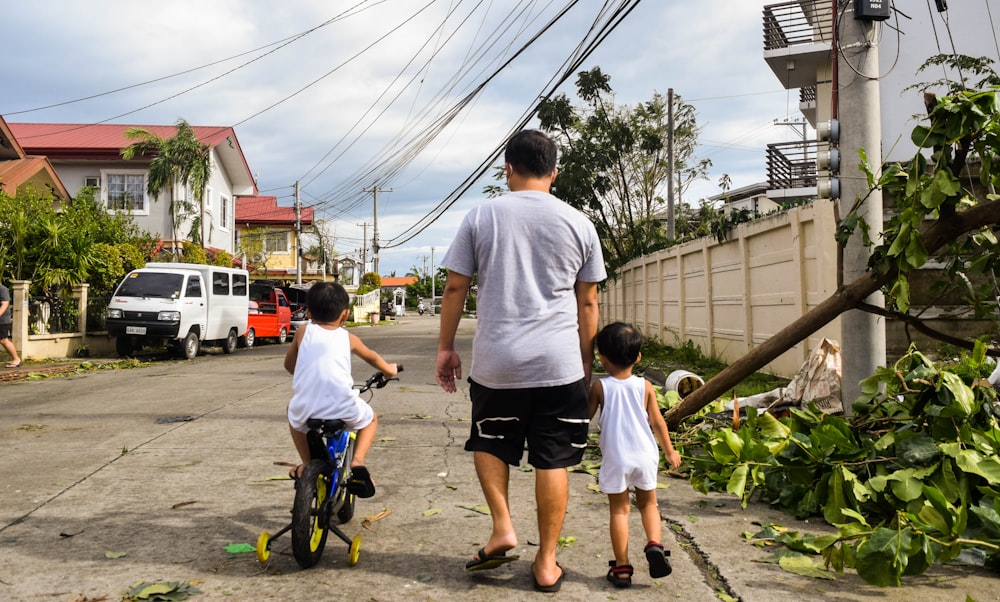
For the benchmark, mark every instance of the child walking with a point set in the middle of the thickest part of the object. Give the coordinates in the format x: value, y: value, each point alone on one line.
x: 630, y: 417
x: 319, y: 360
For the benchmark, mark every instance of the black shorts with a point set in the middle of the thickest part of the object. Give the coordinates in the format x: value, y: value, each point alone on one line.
x: 5, y: 331
x: 553, y: 421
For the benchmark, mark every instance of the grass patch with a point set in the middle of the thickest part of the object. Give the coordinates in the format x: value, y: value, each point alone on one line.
x: 666, y: 359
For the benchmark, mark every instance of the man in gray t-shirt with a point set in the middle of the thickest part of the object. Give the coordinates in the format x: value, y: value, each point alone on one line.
x: 6, y: 323
x: 538, y: 263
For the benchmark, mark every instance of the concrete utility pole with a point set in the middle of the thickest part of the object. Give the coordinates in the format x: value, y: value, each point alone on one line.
x: 670, y: 163
x: 857, y: 105
x: 375, y: 190
x: 364, y: 247
x: 433, y: 282
x: 298, y: 235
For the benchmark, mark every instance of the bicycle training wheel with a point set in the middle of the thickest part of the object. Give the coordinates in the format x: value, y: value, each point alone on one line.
x: 355, y: 551
x: 309, y: 526
x: 263, y: 547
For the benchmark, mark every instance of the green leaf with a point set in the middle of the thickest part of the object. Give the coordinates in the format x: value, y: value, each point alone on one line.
x: 240, y: 548
x: 770, y: 426
x: 964, y: 397
x: 803, y: 565
x: 113, y: 555
x: 972, y: 461
x: 905, y: 486
x: 738, y: 481
x: 431, y: 512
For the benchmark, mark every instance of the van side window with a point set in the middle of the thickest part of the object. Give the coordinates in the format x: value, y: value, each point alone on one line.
x: 239, y: 285
x: 220, y: 283
x: 193, y: 287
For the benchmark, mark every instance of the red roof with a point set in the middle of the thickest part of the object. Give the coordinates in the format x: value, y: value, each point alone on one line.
x: 265, y: 210
x: 386, y: 282
x: 100, y: 139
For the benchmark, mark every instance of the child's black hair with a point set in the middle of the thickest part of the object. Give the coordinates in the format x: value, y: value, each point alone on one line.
x: 620, y: 344
x: 326, y: 301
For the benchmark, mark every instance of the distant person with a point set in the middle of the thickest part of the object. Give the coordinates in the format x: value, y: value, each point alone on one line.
x: 319, y: 360
x: 631, y: 423
x: 6, y: 325
x: 538, y: 262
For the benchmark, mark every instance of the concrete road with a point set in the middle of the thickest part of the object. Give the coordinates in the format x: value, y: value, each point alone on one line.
x: 148, y: 474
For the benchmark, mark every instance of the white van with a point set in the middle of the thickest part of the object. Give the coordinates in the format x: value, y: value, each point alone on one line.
x: 181, y: 305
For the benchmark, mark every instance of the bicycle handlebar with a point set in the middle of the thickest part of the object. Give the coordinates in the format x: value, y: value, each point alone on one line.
x: 378, y: 380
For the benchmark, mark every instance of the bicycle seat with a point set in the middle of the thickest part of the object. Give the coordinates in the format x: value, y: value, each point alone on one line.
x: 327, y: 426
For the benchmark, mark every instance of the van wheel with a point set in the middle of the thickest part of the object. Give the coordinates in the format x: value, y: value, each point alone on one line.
x: 190, y: 345
x: 283, y: 335
x: 124, y: 346
x: 229, y: 346
x: 248, y: 339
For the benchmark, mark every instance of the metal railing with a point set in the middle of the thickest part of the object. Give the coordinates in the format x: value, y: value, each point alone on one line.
x: 53, y: 315
x: 793, y: 23
x: 791, y: 165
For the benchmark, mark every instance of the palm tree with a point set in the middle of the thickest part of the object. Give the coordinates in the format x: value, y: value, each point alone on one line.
x: 181, y: 160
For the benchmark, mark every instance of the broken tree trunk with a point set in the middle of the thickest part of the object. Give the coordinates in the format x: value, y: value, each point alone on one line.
x: 847, y: 297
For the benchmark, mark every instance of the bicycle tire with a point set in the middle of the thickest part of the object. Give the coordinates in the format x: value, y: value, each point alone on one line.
x: 346, y: 512
x: 309, y: 525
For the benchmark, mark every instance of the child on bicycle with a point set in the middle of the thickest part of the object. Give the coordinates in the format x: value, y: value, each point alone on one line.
x: 319, y: 360
x: 630, y: 417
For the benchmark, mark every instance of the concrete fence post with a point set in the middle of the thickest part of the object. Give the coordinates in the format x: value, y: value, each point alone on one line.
x: 19, y: 304
x: 80, y: 292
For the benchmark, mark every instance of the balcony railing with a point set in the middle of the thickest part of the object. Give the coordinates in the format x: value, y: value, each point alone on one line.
x: 793, y: 23
x: 791, y: 165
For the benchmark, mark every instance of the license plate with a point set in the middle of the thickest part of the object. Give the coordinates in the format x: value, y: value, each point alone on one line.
x: 135, y: 330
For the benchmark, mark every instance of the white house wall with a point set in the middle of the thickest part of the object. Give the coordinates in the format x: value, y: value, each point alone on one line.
x: 901, y: 55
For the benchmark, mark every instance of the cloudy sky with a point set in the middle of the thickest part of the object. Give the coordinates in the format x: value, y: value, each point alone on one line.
x: 411, y: 96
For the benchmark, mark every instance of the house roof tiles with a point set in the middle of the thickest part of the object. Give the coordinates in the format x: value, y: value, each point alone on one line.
x: 265, y: 210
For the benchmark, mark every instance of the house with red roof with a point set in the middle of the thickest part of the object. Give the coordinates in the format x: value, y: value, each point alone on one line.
x: 19, y: 171
x: 90, y: 155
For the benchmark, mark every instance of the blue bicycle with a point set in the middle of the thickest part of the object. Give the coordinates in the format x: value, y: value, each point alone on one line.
x: 322, y: 500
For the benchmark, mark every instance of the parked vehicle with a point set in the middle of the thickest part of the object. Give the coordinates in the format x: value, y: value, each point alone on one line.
x: 296, y: 294
x: 270, y: 315
x: 180, y: 305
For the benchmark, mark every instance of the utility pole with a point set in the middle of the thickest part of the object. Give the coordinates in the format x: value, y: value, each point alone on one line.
x: 364, y: 247
x: 298, y: 235
x: 375, y: 190
x: 670, y: 163
x: 433, y: 282
x: 858, y: 108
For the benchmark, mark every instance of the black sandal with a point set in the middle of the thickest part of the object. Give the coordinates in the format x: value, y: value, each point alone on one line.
x: 659, y: 565
x: 360, y: 483
x: 620, y: 576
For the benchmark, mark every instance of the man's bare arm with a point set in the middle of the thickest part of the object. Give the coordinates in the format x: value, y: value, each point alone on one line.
x: 587, y: 316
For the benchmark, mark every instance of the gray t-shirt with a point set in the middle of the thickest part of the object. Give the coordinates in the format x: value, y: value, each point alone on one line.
x: 529, y: 250
x: 7, y: 317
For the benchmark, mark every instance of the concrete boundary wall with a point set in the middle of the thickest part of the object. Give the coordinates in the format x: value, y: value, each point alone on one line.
x: 728, y: 298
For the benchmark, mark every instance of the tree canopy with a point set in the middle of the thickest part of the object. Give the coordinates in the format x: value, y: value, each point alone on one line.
x: 179, y: 160
x: 79, y: 242
x: 614, y: 162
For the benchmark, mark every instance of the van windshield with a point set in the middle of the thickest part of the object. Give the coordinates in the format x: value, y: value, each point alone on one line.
x: 151, y: 284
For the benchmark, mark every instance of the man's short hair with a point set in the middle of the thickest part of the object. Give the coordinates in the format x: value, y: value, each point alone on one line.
x: 620, y: 344
x: 531, y: 153
x: 326, y: 301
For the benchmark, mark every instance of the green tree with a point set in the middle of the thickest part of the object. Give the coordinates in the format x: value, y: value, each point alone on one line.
x: 79, y: 242
x: 369, y: 282
x: 614, y: 163
x: 178, y: 162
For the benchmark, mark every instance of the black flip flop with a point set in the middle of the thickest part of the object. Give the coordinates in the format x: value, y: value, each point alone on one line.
x: 548, y: 589
x: 485, y: 562
x: 360, y: 483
